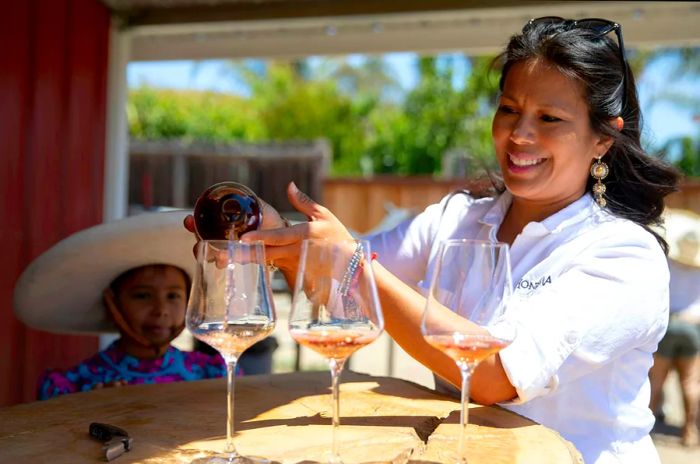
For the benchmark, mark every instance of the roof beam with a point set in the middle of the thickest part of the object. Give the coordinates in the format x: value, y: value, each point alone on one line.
x: 257, y: 10
x: 471, y: 30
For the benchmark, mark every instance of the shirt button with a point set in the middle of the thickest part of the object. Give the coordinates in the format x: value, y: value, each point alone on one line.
x: 572, y: 339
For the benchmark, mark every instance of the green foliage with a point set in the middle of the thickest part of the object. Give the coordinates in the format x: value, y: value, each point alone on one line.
x: 440, y: 117
x: 481, y: 93
x: 290, y: 108
x: 168, y: 114
x: 689, y: 162
x: 683, y: 68
x: 372, y: 124
x: 154, y: 114
x: 351, y: 106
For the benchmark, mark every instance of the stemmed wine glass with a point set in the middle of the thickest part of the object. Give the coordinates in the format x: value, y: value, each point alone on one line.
x: 335, y: 307
x: 230, y: 308
x: 472, y: 279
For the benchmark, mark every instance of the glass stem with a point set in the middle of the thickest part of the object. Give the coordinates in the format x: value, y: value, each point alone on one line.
x: 336, y: 366
x: 230, y: 384
x: 464, y: 413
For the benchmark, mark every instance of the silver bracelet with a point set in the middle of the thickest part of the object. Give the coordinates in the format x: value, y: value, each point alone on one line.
x: 351, y: 271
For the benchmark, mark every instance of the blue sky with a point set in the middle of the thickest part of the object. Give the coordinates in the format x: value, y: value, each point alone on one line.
x: 663, y: 120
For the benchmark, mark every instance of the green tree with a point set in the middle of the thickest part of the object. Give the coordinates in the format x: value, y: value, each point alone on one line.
x: 370, y: 79
x: 481, y: 91
x: 290, y: 108
x: 687, y: 154
x: 436, y: 116
x: 360, y: 108
x: 684, y: 67
x: 155, y: 114
x: 168, y: 114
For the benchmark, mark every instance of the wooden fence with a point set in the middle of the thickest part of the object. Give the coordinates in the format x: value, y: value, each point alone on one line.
x: 362, y: 203
x: 688, y: 197
x: 172, y: 173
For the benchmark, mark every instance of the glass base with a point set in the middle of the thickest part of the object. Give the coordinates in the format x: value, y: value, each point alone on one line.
x: 227, y: 458
x: 333, y: 459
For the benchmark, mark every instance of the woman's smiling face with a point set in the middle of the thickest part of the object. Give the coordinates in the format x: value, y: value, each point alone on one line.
x: 542, y: 134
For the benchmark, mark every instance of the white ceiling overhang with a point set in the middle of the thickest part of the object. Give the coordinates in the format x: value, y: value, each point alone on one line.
x: 199, y: 33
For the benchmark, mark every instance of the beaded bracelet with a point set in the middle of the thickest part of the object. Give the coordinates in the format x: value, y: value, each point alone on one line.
x: 352, y: 273
x: 350, y: 278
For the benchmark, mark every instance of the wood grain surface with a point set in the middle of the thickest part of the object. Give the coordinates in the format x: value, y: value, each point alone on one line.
x: 283, y: 417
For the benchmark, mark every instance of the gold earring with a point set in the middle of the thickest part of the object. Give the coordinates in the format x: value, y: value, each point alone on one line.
x: 599, y: 171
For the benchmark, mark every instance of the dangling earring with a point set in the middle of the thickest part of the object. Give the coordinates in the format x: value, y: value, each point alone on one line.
x: 599, y: 171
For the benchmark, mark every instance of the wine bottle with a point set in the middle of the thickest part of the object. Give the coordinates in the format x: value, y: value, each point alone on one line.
x: 225, y: 211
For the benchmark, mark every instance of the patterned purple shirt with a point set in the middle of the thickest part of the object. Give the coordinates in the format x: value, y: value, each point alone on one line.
x: 113, y: 364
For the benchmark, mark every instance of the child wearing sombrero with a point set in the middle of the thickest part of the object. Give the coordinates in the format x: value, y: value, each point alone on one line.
x: 132, y: 276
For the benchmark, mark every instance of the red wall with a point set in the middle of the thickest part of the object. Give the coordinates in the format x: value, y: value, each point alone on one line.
x: 53, y: 74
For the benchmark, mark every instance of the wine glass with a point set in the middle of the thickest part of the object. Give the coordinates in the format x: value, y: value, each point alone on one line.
x: 230, y: 308
x: 472, y: 278
x: 335, y: 307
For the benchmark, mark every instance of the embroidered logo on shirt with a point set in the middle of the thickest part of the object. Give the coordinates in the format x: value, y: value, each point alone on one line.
x: 533, y: 285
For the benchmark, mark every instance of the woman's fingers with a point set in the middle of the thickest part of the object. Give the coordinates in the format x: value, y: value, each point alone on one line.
x: 271, y: 217
x: 286, y: 258
x: 303, y: 203
x: 279, y: 237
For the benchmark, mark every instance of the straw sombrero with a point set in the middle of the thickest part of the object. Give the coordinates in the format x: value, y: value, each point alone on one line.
x: 682, y: 232
x: 61, y: 290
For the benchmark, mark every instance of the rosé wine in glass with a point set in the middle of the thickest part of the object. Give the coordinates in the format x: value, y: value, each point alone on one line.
x: 471, y: 278
x: 335, y: 308
x: 230, y: 308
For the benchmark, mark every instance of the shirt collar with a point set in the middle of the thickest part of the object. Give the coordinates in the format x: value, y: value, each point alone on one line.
x: 571, y: 214
x: 494, y: 216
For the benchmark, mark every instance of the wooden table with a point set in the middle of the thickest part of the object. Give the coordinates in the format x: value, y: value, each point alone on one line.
x: 285, y: 417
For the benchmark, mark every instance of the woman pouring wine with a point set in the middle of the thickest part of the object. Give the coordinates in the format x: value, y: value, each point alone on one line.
x: 591, y: 277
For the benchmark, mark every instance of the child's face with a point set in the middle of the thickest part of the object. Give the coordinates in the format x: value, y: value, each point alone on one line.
x: 153, y: 301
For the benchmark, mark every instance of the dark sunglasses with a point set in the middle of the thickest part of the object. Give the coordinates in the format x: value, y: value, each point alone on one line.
x: 598, y: 25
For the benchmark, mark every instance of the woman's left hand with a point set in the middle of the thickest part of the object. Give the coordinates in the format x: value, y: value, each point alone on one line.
x: 283, y: 244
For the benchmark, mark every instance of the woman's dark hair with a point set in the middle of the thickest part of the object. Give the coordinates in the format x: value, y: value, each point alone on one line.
x: 117, y: 283
x: 637, y: 183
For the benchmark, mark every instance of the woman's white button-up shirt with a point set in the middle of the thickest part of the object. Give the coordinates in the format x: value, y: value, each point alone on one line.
x: 590, y: 303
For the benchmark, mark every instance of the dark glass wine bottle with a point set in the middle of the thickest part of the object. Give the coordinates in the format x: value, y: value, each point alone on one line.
x: 225, y: 211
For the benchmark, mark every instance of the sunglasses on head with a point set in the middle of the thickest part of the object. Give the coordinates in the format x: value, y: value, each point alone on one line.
x: 598, y: 25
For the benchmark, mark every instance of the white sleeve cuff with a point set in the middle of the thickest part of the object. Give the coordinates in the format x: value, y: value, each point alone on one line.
x: 531, y: 362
